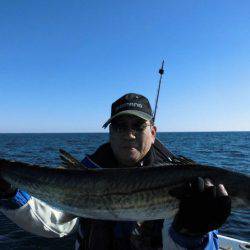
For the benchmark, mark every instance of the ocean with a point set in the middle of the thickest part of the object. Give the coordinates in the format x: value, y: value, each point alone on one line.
x: 230, y: 150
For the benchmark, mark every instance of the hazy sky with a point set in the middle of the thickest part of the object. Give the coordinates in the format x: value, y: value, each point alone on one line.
x: 64, y: 62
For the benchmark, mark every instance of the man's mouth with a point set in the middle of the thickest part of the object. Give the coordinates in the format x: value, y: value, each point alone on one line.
x: 129, y: 147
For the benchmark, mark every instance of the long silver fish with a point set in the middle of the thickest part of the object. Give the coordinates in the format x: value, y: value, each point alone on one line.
x: 136, y: 194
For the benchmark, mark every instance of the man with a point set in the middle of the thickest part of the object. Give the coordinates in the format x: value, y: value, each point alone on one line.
x: 132, y: 143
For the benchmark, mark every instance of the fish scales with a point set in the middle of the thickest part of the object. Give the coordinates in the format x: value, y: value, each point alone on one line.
x: 118, y: 194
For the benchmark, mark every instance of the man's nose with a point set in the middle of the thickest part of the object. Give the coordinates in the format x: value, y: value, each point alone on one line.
x: 131, y: 134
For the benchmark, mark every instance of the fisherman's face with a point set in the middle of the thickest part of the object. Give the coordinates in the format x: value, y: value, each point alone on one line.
x: 131, y: 138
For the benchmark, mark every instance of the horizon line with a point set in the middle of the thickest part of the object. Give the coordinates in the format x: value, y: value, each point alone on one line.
x: 98, y: 132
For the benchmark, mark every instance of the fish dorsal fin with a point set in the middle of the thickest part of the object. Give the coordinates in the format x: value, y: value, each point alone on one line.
x: 70, y: 162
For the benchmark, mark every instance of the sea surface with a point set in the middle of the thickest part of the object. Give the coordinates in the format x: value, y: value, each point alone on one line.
x: 230, y: 150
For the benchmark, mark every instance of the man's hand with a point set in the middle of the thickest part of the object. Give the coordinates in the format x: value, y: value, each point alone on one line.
x: 203, y: 208
x: 5, y: 188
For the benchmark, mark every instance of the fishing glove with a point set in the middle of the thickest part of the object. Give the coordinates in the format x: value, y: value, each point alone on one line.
x: 202, y: 209
x: 6, y: 189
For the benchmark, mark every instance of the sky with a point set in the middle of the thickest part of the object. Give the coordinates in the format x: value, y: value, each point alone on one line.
x: 63, y: 63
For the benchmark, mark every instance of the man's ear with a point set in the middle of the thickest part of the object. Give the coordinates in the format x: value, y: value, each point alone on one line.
x: 153, y: 133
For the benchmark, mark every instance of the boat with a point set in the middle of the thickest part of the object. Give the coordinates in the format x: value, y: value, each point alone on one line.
x: 228, y: 243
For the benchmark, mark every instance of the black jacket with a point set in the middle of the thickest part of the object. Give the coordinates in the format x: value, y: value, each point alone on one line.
x: 120, y: 235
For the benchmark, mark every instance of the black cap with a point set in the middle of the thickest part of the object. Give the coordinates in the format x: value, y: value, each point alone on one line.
x: 131, y: 104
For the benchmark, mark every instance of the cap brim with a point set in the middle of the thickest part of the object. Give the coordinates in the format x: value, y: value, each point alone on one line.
x: 137, y: 113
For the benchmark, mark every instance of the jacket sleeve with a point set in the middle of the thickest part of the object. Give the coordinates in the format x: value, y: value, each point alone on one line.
x: 43, y: 220
x: 37, y: 217
x: 173, y: 240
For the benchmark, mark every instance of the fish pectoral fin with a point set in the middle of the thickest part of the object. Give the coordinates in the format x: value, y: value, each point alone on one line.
x: 177, y: 192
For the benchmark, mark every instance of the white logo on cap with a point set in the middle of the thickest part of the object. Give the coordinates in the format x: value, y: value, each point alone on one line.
x: 130, y: 104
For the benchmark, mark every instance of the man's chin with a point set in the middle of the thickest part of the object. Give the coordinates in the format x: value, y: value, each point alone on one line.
x: 132, y: 158
x: 131, y: 152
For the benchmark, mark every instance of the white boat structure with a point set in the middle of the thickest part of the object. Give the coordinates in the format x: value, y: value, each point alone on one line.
x: 228, y: 243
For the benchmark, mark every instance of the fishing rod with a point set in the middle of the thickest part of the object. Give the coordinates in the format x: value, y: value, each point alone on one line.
x: 161, y: 72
